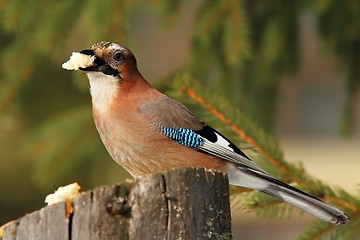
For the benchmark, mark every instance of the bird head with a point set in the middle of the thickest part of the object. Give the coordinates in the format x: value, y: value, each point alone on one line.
x: 113, y: 76
x: 111, y: 59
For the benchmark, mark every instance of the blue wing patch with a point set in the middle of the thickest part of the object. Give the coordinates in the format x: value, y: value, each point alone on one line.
x: 215, y: 137
x: 186, y: 137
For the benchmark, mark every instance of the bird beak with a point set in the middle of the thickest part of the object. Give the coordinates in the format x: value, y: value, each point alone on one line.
x: 98, y: 61
x: 100, y: 64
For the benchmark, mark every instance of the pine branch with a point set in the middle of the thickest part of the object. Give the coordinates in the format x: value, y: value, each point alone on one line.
x: 321, y: 230
x: 236, y: 34
x: 252, y: 136
x: 185, y: 87
x: 316, y: 230
x: 225, y: 26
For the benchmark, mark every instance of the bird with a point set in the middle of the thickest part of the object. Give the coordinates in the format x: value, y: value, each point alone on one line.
x: 145, y: 131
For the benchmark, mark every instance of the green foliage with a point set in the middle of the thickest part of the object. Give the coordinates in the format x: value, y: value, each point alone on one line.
x: 339, y: 27
x: 253, y: 132
x: 12, y: 80
x: 264, y: 206
x: 251, y: 45
x: 321, y: 230
x: 105, y: 27
x: 18, y: 15
x: 220, y: 27
x: 54, y: 152
x: 167, y: 9
x: 241, y: 48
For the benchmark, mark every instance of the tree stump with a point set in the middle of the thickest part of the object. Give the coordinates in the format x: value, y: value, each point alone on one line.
x: 184, y: 203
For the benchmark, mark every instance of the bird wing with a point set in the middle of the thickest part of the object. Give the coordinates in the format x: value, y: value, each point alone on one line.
x: 177, y: 122
x: 167, y: 112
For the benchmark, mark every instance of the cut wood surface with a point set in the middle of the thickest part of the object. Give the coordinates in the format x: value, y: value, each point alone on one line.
x: 183, y: 203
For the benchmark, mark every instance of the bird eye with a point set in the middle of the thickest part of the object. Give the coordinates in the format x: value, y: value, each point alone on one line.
x: 118, y: 57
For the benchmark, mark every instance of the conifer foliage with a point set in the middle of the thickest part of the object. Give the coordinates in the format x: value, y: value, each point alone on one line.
x: 241, y: 48
x: 266, y: 153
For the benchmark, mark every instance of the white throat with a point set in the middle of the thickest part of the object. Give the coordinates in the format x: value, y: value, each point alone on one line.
x: 102, y: 89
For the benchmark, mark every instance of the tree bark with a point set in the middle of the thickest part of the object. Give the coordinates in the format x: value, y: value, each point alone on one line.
x: 183, y: 203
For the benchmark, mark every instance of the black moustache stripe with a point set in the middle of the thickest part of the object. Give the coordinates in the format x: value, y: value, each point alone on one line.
x: 106, y: 69
x: 99, y: 61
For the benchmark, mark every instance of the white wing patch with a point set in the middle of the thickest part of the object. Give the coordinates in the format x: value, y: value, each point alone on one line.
x: 216, y: 144
x: 224, y: 153
x: 223, y: 142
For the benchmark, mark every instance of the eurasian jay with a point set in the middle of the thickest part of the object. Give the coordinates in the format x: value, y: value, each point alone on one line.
x: 145, y: 131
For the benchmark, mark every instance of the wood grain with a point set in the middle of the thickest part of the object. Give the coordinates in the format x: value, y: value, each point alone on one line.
x: 183, y: 203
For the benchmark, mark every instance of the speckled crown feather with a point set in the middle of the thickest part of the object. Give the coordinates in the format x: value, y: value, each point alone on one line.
x: 101, y: 45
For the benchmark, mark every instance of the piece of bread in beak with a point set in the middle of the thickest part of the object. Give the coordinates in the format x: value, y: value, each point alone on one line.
x: 79, y: 60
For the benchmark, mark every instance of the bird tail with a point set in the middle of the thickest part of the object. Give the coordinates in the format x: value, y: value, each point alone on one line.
x: 284, y: 192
